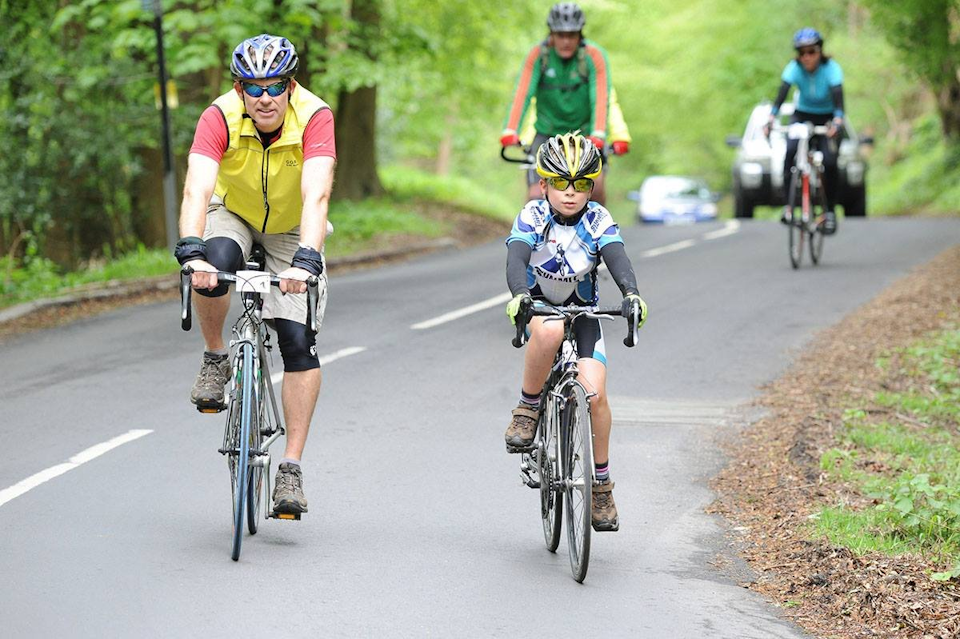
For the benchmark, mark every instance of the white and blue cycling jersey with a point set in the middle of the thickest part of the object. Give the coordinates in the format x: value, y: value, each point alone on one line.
x: 565, y: 254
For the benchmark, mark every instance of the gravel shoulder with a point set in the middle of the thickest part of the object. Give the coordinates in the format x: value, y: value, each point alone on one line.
x: 774, y: 483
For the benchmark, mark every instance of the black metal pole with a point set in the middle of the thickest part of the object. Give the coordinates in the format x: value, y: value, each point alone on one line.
x: 169, y: 173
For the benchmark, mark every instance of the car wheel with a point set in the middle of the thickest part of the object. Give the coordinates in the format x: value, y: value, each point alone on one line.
x: 856, y: 205
x: 742, y: 206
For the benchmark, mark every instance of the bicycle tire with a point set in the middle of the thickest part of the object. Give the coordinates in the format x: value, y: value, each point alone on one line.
x: 795, y: 224
x: 241, y: 487
x: 551, y: 500
x: 255, y: 492
x: 816, y: 232
x: 577, y: 472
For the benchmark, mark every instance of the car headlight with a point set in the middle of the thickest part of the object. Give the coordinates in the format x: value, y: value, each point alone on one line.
x: 751, y: 175
x: 855, y: 172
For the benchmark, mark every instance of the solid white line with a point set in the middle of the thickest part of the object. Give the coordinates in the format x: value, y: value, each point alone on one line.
x: 669, y: 248
x: 82, y: 457
x: 467, y: 310
x: 326, y: 359
x: 729, y: 228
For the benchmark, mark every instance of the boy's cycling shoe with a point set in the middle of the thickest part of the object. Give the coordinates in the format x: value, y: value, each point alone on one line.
x: 786, y: 216
x: 288, y: 492
x: 829, y: 223
x: 604, y: 516
x: 522, y: 429
x: 214, y: 374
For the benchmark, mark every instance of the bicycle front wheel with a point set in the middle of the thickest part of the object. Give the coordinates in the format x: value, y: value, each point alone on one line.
x: 242, y: 465
x: 551, y: 500
x: 795, y: 223
x: 819, y: 206
x: 576, y: 446
x: 255, y: 484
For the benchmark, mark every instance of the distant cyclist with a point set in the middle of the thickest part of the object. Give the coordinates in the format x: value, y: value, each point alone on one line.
x: 553, y: 253
x: 260, y: 170
x: 819, y: 80
x: 570, y: 78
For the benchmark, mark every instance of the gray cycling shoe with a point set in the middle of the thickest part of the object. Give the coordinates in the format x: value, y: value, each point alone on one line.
x: 288, y: 492
x: 214, y: 374
x: 829, y: 223
x: 604, y: 516
x: 522, y: 429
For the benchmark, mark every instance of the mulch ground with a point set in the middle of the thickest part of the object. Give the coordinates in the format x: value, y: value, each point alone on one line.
x: 463, y: 229
x: 774, y: 483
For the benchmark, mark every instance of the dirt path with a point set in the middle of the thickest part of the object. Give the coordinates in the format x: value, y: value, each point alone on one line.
x: 774, y: 482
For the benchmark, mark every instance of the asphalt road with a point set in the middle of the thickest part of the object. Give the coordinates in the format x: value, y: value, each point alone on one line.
x: 418, y: 523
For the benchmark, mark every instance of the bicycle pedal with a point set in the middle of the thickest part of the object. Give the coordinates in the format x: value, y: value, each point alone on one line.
x: 210, y: 408
x: 290, y: 516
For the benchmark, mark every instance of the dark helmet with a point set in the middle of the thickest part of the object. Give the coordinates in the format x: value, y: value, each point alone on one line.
x: 569, y: 156
x: 566, y: 17
x: 807, y: 37
x: 264, y: 56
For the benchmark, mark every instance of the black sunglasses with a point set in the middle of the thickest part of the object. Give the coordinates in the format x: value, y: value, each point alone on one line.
x: 273, y: 90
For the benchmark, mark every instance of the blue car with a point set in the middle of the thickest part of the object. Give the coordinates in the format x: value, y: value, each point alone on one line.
x: 674, y: 199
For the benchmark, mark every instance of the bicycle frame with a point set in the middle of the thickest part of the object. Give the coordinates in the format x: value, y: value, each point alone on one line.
x: 807, y: 164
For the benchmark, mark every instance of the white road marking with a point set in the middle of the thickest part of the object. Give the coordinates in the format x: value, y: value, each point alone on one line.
x: 326, y: 359
x: 463, y: 312
x: 82, y: 457
x: 730, y: 227
x: 669, y: 248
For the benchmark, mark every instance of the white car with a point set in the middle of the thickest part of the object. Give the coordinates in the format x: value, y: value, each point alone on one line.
x: 674, y: 199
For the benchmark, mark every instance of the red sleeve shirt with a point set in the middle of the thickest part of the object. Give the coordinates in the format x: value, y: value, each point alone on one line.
x: 211, y: 137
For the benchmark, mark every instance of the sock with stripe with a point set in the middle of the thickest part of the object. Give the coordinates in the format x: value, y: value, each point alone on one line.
x: 603, y: 472
x: 533, y: 401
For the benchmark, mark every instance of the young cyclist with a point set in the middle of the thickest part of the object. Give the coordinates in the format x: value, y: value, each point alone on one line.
x: 819, y: 80
x: 260, y: 170
x: 552, y: 254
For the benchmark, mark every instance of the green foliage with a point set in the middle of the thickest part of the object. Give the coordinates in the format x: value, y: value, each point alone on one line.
x: 375, y: 224
x: 909, y: 467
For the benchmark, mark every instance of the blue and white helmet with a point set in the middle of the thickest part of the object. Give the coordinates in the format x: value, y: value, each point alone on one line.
x: 807, y: 37
x: 264, y: 56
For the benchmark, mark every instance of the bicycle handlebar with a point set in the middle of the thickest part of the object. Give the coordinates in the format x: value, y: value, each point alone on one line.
x: 186, y: 291
x: 539, y: 309
x: 527, y: 156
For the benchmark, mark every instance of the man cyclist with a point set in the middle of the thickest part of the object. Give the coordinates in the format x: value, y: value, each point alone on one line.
x: 570, y: 78
x: 819, y: 80
x: 553, y: 253
x: 260, y: 171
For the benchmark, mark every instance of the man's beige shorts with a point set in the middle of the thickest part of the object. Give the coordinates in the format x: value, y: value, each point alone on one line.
x: 279, y: 249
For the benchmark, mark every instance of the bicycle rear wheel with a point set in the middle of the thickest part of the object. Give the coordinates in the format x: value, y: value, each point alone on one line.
x: 242, y: 463
x: 551, y: 500
x: 795, y: 223
x: 576, y: 445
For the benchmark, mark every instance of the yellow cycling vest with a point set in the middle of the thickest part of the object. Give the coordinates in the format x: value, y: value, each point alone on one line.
x: 260, y: 185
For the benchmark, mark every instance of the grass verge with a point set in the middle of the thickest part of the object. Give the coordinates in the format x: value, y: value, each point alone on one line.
x: 902, y: 452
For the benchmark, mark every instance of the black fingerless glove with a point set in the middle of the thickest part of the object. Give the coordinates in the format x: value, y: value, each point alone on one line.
x: 309, y: 259
x: 190, y: 248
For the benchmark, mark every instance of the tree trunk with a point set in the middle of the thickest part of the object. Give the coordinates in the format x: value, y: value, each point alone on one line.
x: 356, y: 119
x: 356, y: 145
x: 948, y: 105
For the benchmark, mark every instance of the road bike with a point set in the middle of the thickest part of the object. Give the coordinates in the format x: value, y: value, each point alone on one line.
x: 561, y: 465
x: 253, y: 419
x: 805, y: 218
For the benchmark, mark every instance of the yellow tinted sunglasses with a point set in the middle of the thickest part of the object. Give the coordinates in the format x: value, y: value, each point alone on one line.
x: 580, y: 185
